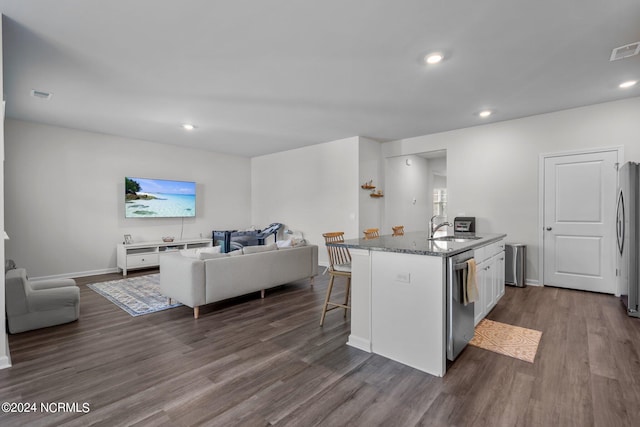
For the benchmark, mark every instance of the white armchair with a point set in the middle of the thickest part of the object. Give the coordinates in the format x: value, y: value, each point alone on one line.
x: 38, y: 304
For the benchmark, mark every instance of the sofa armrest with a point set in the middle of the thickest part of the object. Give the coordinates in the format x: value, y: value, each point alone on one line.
x: 182, y: 279
x: 15, y: 294
x: 53, y: 299
x: 37, y: 285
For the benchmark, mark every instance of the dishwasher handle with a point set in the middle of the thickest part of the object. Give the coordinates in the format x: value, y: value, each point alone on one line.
x: 461, y: 266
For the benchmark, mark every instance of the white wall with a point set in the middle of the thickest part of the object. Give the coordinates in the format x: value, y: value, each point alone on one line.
x: 438, y: 170
x: 64, y: 195
x: 370, y: 169
x: 312, y: 189
x: 4, y: 348
x: 492, y: 170
x: 63, y: 187
x: 403, y: 184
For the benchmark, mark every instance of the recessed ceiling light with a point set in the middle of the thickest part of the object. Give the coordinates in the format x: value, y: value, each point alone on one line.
x: 628, y: 84
x: 433, y: 58
x: 485, y: 113
x: 188, y: 126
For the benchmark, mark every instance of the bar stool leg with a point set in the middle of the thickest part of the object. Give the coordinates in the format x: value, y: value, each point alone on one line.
x: 346, y: 299
x: 326, y: 300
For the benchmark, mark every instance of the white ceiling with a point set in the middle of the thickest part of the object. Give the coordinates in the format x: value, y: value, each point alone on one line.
x: 259, y: 76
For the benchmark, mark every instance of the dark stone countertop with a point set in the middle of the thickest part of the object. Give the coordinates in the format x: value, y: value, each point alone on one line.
x: 417, y: 243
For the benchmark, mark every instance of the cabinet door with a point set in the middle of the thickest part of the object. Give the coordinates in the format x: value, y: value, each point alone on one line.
x: 479, y: 309
x: 500, y: 265
x: 489, y: 280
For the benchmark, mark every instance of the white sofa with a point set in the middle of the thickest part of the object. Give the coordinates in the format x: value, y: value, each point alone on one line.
x: 197, y: 281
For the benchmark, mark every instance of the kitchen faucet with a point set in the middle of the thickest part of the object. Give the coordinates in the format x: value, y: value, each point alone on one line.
x: 433, y: 228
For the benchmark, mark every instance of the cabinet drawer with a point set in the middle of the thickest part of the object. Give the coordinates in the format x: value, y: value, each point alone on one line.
x: 142, y: 260
x: 485, y: 252
x: 498, y: 247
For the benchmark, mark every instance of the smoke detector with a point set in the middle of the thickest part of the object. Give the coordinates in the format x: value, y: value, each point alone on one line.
x: 41, y: 94
x: 625, y: 51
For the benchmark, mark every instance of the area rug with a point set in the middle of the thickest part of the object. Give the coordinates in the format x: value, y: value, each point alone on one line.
x: 136, y: 295
x: 509, y: 340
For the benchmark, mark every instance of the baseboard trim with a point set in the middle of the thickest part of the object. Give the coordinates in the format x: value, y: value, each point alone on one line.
x: 532, y: 282
x: 77, y: 274
x: 359, y: 343
x: 5, y: 360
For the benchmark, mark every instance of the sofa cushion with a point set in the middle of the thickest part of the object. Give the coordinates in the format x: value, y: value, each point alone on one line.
x: 207, y: 255
x: 209, y: 250
x: 189, y: 253
x: 256, y: 249
x: 283, y: 243
x: 195, y: 253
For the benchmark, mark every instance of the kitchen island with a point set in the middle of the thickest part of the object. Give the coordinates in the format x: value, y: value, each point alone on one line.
x: 398, y: 295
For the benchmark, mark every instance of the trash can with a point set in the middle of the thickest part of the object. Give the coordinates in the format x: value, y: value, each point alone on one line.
x: 514, y: 274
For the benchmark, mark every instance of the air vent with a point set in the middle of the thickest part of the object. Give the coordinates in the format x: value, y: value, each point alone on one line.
x: 625, y: 51
x: 41, y: 94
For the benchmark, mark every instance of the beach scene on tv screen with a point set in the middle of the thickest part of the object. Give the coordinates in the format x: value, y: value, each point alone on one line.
x: 159, y: 198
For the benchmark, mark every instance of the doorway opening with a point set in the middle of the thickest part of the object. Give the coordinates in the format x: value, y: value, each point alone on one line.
x: 415, y: 189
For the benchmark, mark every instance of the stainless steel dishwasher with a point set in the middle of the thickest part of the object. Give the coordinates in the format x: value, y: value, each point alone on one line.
x: 460, y: 328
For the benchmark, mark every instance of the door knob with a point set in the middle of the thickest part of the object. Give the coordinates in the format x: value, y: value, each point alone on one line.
x: 549, y: 229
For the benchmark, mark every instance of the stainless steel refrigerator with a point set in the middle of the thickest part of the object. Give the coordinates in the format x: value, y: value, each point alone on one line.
x: 628, y: 234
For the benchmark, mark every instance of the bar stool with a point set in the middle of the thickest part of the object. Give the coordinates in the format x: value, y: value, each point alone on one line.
x: 371, y: 233
x: 398, y: 230
x: 339, y: 265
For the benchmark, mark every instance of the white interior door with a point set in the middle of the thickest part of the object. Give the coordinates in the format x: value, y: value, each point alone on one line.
x: 579, y: 221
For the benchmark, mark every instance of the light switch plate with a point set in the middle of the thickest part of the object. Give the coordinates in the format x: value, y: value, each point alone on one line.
x: 403, y: 277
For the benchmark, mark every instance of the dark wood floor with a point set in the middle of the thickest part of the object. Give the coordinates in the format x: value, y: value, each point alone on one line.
x: 254, y: 362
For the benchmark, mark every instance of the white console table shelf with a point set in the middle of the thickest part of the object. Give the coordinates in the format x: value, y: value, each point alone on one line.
x: 147, y: 254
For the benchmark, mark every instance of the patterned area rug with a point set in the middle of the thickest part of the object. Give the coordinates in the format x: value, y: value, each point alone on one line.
x: 509, y: 340
x: 136, y: 295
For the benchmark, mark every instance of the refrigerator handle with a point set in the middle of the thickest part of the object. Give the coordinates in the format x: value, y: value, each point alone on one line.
x: 620, y: 220
x: 516, y: 251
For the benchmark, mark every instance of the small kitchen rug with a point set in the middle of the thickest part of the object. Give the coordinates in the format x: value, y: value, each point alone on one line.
x: 136, y: 295
x: 509, y: 340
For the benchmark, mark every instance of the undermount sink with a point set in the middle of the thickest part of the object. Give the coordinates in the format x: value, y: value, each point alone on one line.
x: 454, y: 238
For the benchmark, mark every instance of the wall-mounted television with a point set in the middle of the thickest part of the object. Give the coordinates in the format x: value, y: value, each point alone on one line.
x: 159, y: 198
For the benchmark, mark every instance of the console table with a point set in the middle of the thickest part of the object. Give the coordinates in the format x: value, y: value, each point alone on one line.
x: 147, y: 254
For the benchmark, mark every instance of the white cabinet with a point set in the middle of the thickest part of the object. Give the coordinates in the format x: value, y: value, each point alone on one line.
x: 489, y: 297
x: 499, y: 278
x: 489, y: 277
x: 480, y: 304
x: 147, y: 254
